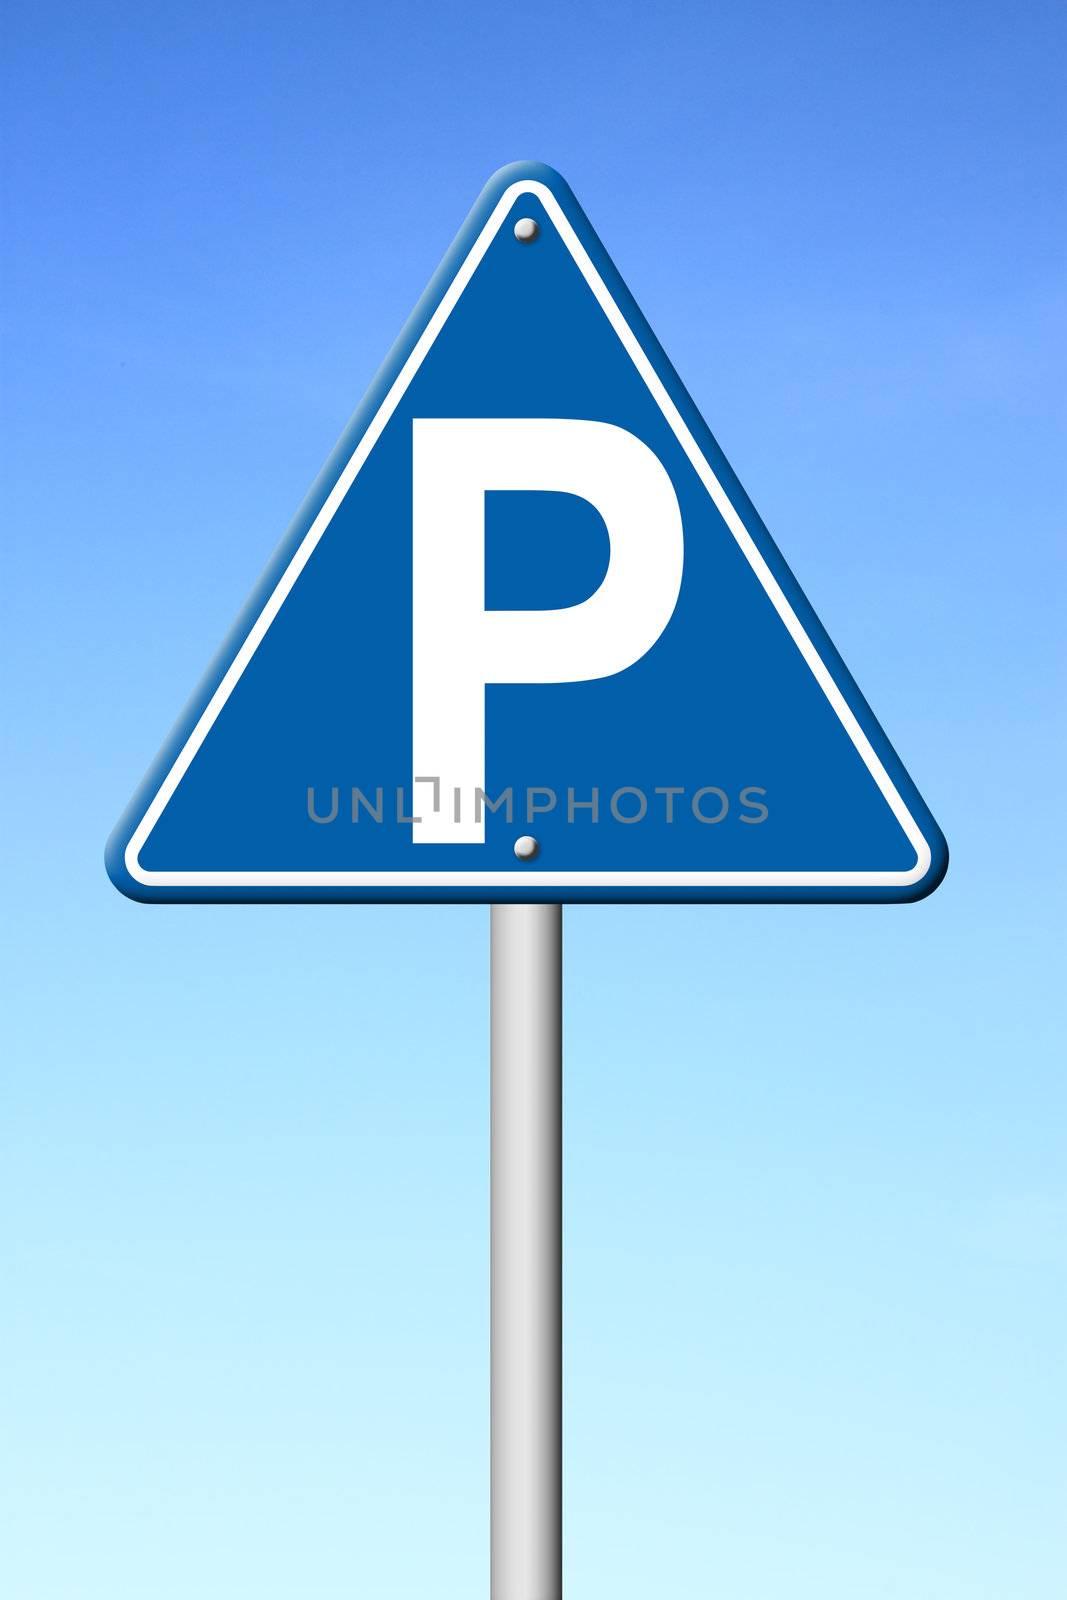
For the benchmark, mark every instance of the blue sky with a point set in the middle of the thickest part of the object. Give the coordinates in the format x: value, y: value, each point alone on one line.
x: 815, y: 1200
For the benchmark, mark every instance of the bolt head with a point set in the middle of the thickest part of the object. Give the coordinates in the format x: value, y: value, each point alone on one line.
x: 526, y: 847
x: 526, y: 230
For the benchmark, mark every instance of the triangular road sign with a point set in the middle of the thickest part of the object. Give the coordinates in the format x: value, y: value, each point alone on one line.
x: 527, y: 639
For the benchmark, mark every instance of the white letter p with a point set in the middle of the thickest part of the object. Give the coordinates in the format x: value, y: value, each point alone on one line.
x: 459, y: 646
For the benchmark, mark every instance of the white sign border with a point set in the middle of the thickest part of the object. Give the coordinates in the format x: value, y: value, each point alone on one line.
x: 532, y: 879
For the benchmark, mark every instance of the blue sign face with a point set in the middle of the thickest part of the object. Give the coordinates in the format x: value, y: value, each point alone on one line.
x: 527, y: 639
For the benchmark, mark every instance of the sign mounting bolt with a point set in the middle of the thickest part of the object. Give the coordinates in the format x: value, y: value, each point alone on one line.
x: 526, y: 230
x: 526, y: 847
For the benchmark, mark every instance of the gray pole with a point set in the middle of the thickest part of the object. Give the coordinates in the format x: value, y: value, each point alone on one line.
x: 526, y: 1252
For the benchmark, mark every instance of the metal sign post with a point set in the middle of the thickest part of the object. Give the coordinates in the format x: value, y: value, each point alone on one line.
x: 526, y: 1252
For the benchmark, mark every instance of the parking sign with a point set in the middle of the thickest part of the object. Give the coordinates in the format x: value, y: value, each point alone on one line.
x: 527, y: 639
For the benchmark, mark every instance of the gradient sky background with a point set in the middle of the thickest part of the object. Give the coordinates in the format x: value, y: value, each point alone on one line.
x: 816, y: 1200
